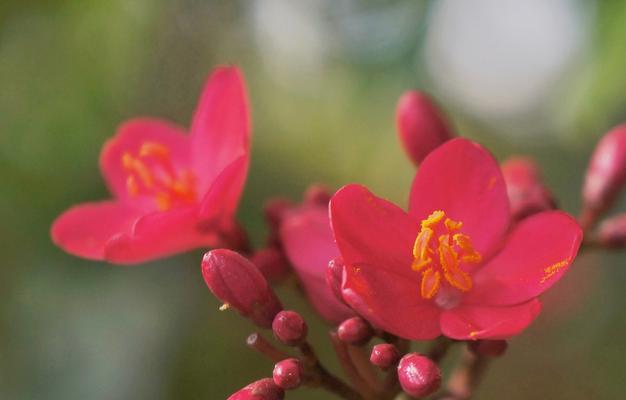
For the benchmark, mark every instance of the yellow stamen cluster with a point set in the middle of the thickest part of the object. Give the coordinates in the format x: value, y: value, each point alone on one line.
x: 440, y: 259
x: 153, y: 172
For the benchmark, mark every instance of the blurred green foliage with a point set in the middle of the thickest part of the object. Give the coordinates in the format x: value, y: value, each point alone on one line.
x: 71, y: 71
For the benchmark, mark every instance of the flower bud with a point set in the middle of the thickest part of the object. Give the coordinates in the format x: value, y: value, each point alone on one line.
x: 239, y: 284
x: 264, y: 389
x: 355, y: 331
x: 334, y: 277
x: 606, y: 172
x: 527, y: 194
x: 272, y: 263
x: 317, y: 195
x: 612, y: 232
x: 419, y: 376
x: 384, y: 355
x: 421, y: 126
x: 488, y: 348
x: 290, y: 328
x: 288, y: 373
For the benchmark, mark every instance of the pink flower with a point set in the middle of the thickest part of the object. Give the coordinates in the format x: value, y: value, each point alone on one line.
x: 172, y: 192
x: 449, y: 266
x: 308, y: 242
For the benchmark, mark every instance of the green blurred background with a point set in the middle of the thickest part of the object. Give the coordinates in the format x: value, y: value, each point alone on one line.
x: 545, y: 78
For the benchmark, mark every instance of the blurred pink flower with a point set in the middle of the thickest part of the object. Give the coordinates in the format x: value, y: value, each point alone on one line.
x: 308, y: 242
x: 172, y: 192
x: 449, y: 265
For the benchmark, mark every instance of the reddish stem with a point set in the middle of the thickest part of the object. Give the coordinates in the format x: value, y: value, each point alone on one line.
x: 258, y: 343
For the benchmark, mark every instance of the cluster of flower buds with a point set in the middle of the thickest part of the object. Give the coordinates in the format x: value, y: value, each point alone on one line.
x: 236, y: 282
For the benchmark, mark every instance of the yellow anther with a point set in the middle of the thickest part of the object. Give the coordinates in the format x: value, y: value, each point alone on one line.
x: 459, y: 279
x: 154, y: 149
x: 420, y: 263
x: 470, y: 255
x: 440, y: 261
x: 420, y: 247
x: 163, y: 200
x: 132, y: 186
x: 431, y: 280
x: 453, y: 225
x: 433, y: 219
x: 448, y: 258
x: 127, y: 161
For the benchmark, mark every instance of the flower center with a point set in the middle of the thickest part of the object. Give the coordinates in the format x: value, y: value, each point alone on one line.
x: 152, y: 173
x: 438, y: 250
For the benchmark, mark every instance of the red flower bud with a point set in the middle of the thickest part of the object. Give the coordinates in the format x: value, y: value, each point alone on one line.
x: 612, y: 231
x: 384, y: 355
x: 272, y: 263
x: 317, y: 195
x: 264, y: 389
x: 488, y: 348
x: 527, y: 194
x: 290, y: 328
x: 239, y: 284
x: 606, y: 173
x: 419, y: 376
x: 355, y: 331
x: 421, y: 126
x: 334, y: 276
x: 288, y: 373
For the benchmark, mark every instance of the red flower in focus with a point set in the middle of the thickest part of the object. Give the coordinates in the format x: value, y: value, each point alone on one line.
x: 172, y: 192
x: 308, y: 242
x: 449, y: 266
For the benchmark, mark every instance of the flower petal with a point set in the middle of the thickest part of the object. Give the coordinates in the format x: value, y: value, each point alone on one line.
x: 220, y: 128
x: 537, y: 253
x: 306, y: 236
x: 129, y: 138
x: 474, y: 322
x: 159, y: 234
x: 464, y: 180
x: 84, y: 230
x: 220, y: 202
x: 390, y: 302
x: 372, y: 231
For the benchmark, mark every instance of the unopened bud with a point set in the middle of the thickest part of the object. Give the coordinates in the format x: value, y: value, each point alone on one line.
x: 272, y: 263
x: 606, y: 172
x: 239, y: 284
x: 384, y: 355
x: 334, y: 276
x: 527, y: 194
x: 317, y: 195
x: 421, y: 125
x: 488, y: 348
x: 612, y: 231
x: 419, y: 376
x: 355, y: 331
x: 288, y: 373
x: 290, y: 328
x: 264, y: 389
